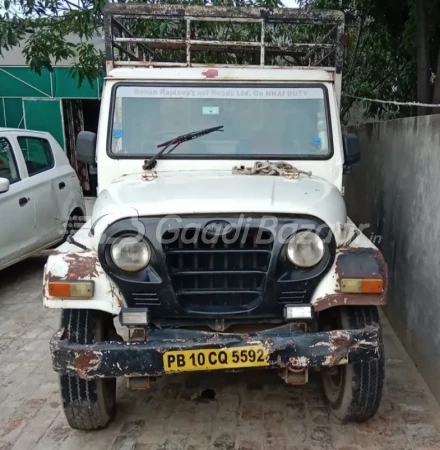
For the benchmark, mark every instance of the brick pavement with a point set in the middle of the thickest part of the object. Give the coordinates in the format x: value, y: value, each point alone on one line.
x: 246, y: 411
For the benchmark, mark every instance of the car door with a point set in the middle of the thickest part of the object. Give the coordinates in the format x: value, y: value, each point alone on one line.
x: 65, y: 183
x: 40, y: 163
x: 17, y: 206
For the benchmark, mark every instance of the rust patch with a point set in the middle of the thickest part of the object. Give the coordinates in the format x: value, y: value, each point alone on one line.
x: 301, y: 361
x: 49, y: 276
x: 336, y: 359
x: 140, y: 49
x: 330, y: 301
x: 177, y: 10
x: 85, y: 362
x: 340, y: 341
x: 268, y: 344
x: 81, y: 266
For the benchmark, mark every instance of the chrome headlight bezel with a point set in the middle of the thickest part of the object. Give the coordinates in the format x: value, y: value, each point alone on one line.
x: 117, y: 249
x: 297, y: 249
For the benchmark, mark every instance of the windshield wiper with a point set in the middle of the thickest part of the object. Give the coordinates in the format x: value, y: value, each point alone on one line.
x: 150, y: 163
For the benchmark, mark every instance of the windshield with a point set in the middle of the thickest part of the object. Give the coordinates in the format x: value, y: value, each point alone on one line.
x: 271, y: 121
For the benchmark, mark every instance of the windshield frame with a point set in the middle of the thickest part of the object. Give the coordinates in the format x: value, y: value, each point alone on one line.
x: 272, y: 157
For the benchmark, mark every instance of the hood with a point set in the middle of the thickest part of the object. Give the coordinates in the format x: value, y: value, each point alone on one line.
x: 214, y: 193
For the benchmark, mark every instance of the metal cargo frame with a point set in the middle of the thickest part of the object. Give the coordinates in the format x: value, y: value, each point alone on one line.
x: 126, y: 48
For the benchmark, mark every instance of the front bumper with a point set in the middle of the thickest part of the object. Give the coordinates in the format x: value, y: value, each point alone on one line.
x: 296, y: 349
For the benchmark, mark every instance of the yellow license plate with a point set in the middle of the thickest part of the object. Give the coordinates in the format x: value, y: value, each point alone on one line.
x: 215, y: 359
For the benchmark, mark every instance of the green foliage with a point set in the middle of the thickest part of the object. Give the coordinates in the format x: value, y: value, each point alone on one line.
x: 380, y: 61
x: 44, y: 29
x: 48, y: 31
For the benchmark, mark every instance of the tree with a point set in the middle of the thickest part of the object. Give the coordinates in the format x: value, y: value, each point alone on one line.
x: 380, y: 56
x: 43, y: 27
x: 394, y: 47
x: 395, y: 54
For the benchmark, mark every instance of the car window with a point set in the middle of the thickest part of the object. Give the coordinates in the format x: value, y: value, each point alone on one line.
x: 8, y: 166
x: 36, y: 153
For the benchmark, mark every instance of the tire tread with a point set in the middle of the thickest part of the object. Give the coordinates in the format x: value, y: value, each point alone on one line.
x: 80, y: 397
x: 365, y: 386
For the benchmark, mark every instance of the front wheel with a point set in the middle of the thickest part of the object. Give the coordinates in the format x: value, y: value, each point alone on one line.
x: 354, y: 391
x: 88, y: 405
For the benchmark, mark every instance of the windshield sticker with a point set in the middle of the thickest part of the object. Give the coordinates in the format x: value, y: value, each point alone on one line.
x: 251, y: 93
x: 317, y: 141
x: 117, y: 134
x: 210, y: 110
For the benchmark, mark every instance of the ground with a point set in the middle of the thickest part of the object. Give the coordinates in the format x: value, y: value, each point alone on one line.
x: 252, y: 411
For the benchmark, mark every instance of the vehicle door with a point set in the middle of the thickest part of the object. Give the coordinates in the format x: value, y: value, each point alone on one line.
x: 65, y: 183
x: 40, y: 163
x: 17, y: 205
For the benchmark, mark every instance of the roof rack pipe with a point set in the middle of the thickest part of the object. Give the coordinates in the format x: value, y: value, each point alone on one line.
x: 117, y: 33
x: 228, y: 12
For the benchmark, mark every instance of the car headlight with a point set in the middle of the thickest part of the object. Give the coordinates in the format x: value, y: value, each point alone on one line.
x: 305, y: 249
x: 130, y: 253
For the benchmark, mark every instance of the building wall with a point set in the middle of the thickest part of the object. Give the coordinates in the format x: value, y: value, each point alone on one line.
x: 396, y: 189
x: 32, y: 101
x: 14, y: 56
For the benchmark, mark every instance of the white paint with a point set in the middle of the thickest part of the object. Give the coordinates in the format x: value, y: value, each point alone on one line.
x: 328, y: 361
x: 40, y: 222
x: 207, y: 192
x: 232, y: 91
x: 194, y: 186
x: 111, y: 169
x: 301, y: 361
x: 230, y: 75
x: 107, y: 296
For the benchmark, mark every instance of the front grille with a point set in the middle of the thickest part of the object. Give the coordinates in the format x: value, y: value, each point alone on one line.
x: 218, y: 276
x: 140, y: 299
x: 295, y: 292
x: 292, y: 296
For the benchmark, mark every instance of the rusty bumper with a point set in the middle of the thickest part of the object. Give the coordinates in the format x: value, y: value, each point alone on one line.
x: 297, y: 349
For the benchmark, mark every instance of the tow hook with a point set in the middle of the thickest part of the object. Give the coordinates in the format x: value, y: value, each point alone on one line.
x: 295, y: 375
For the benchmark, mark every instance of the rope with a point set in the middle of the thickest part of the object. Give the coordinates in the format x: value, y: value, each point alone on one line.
x: 391, y: 102
x: 281, y: 169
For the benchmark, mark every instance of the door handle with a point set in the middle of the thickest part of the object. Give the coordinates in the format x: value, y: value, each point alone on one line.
x: 62, y: 185
x: 23, y: 201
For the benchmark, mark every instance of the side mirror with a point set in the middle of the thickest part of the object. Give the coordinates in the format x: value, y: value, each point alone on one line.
x: 86, y: 147
x: 352, y: 151
x: 4, y: 185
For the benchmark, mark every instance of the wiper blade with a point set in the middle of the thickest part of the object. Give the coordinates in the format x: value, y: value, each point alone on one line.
x: 150, y: 163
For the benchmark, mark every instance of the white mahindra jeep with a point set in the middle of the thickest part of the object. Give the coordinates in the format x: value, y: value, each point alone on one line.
x: 220, y: 237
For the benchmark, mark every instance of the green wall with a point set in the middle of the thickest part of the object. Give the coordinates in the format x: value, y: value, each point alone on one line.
x: 32, y: 101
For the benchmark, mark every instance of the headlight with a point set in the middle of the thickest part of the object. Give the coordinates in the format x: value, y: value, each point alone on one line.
x: 130, y: 253
x: 305, y: 249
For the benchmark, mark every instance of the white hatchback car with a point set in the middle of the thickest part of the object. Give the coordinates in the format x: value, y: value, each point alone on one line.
x: 40, y: 195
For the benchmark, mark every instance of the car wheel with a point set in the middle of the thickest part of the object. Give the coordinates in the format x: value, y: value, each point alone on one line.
x: 88, y: 405
x: 354, y: 391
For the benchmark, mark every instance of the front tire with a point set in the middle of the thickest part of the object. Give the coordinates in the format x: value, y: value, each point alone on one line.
x: 88, y: 405
x: 354, y: 391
